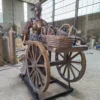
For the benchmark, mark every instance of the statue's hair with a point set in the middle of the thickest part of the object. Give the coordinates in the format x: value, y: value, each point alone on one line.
x: 37, y: 6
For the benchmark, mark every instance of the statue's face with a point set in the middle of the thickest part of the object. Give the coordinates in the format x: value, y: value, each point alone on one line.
x: 37, y: 12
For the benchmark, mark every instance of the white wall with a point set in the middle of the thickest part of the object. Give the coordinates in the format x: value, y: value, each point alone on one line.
x: 16, y: 14
x: 9, y: 13
x: 30, y: 13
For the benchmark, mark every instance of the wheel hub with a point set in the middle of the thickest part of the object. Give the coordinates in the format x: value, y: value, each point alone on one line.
x: 34, y: 65
x: 68, y: 61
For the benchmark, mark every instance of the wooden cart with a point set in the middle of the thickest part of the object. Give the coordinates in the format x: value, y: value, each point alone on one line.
x: 70, y: 63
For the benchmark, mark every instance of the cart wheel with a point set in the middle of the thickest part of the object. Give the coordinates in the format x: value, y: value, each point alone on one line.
x: 74, y: 67
x: 38, y: 67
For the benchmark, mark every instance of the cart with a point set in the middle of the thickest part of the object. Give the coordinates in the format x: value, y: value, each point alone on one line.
x: 70, y: 64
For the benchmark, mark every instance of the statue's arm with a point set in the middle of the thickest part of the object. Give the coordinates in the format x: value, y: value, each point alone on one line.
x: 45, y: 25
x: 26, y: 31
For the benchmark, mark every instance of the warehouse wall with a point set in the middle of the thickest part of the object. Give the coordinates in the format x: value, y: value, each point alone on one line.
x: 7, y: 11
x: 30, y: 13
x: 14, y: 12
x: 93, y: 25
x: 18, y: 11
x: 88, y: 24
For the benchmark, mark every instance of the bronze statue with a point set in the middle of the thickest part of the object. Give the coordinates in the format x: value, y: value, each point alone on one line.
x: 37, y: 24
x: 39, y: 27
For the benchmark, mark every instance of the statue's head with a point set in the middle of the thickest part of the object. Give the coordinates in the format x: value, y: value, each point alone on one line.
x: 37, y: 10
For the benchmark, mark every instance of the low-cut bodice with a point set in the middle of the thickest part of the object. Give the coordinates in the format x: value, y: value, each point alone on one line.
x: 37, y: 25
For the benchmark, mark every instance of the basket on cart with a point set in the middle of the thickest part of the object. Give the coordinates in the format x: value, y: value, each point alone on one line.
x: 59, y: 41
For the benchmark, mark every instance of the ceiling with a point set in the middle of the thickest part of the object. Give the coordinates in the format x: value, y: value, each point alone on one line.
x: 33, y: 1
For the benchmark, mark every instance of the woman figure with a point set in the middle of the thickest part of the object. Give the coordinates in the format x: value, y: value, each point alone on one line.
x: 38, y: 27
x: 36, y: 24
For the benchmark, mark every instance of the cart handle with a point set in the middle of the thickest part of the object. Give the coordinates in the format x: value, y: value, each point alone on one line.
x: 67, y: 25
x: 43, y: 30
x: 69, y: 28
x: 50, y: 28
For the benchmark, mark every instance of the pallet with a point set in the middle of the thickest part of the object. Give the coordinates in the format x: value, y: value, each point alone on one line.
x: 55, y: 90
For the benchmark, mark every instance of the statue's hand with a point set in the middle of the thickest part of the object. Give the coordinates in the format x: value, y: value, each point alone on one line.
x: 24, y: 40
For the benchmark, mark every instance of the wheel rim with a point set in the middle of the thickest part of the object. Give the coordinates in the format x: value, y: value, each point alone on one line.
x: 74, y: 67
x: 38, y: 67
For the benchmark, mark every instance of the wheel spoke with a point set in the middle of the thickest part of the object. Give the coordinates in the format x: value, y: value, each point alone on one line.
x: 68, y: 73
x: 40, y: 65
x: 61, y: 55
x: 65, y: 69
x: 40, y: 79
x: 38, y: 57
x: 61, y: 66
x: 75, y: 68
x: 78, y: 62
x: 29, y: 59
x: 33, y: 78
x: 33, y: 54
x: 75, y: 55
x: 37, y: 81
x: 70, y: 54
x: 41, y: 74
x: 72, y: 72
x: 37, y: 52
x: 32, y: 72
x: 30, y: 52
x: 31, y: 66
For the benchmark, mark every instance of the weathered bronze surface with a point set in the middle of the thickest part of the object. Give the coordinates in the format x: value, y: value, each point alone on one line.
x: 35, y: 23
x: 38, y: 58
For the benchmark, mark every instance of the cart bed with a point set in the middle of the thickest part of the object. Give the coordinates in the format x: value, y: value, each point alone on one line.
x: 72, y: 49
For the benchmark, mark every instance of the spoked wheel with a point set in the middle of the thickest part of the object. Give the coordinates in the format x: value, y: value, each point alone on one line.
x: 74, y: 67
x: 38, y: 67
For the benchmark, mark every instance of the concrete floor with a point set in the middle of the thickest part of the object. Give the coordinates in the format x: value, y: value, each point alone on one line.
x: 13, y: 88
